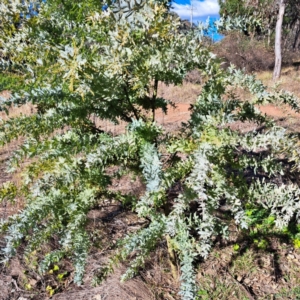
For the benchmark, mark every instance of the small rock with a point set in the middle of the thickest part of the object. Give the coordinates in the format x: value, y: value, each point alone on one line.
x: 291, y: 256
x: 32, y: 282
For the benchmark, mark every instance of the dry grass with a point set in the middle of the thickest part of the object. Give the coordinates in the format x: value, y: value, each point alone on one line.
x: 26, y: 109
x: 289, y: 80
x: 185, y: 93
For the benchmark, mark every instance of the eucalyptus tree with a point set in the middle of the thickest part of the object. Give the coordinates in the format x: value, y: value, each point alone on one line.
x: 74, y: 62
x: 278, y: 40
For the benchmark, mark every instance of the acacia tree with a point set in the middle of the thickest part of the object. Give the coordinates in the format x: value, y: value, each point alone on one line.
x: 73, y: 63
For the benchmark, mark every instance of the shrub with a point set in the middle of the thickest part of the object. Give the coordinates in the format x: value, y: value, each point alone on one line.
x: 250, y: 54
x: 74, y: 63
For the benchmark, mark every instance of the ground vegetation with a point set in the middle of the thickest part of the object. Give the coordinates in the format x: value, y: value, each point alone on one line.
x: 76, y: 65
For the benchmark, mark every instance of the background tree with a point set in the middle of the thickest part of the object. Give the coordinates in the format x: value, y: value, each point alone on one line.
x: 278, y: 18
x: 278, y: 41
x: 267, y: 11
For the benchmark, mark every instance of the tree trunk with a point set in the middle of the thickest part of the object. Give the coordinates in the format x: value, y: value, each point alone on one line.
x: 296, y: 37
x: 278, y: 56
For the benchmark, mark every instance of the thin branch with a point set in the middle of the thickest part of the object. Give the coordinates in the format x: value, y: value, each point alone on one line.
x: 154, y: 99
x: 129, y: 102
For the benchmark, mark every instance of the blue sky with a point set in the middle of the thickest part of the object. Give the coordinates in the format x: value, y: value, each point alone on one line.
x: 202, y: 10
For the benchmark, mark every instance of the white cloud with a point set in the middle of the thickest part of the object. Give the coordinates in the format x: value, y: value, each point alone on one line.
x: 201, y: 8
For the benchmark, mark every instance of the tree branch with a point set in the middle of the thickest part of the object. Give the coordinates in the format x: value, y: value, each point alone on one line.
x: 154, y: 99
